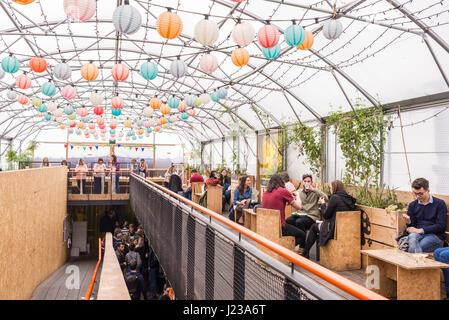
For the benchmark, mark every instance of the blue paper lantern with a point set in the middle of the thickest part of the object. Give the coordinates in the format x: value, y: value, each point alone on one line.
x: 126, y: 19
x: 214, y: 96
x: 48, y: 88
x: 149, y: 130
x: 190, y: 100
x: 85, y: 119
x: 294, y: 35
x: 178, y: 68
x: 112, y: 131
x: 42, y: 108
x: 47, y: 117
x: 173, y: 102
x: 148, y: 70
x: 68, y: 110
x: 184, y: 116
x: 134, y: 137
x: 272, y: 53
x: 116, y: 112
x: 10, y: 64
x: 129, y: 134
x: 222, y: 93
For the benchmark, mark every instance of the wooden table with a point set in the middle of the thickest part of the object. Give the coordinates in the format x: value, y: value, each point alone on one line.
x: 402, y: 276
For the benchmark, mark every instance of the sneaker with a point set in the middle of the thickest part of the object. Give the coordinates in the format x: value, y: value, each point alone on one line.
x: 299, y: 250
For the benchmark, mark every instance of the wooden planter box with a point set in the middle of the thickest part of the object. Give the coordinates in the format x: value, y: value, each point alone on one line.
x: 380, y: 228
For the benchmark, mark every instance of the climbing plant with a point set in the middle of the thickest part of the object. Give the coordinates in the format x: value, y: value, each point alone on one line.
x: 361, y: 136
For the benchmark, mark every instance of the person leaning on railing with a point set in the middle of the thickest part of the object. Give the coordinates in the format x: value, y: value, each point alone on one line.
x: 81, y: 170
x: 45, y: 163
x: 99, y: 174
x: 339, y: 200
x: 277, y: 197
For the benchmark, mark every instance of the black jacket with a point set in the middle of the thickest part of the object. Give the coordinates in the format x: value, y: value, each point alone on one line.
x: 339, y: 201
x: 175, y: 183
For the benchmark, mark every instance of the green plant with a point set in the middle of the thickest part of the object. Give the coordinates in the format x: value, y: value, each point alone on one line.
x: 384, y: 198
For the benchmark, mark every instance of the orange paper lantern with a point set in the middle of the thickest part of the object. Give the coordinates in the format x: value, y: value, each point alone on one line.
x: 38, y: 64
x: 308, y: 41
x: 155, y: 103
x: 165, y: 109
x: 89, y: 71
x: 163, y: 120
x: 24, y: 2
x: 169, y: 25
x: 240, y: 57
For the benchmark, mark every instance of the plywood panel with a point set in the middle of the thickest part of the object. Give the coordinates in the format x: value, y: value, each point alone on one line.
x: 383, y: 234
x: 215, y: 198
x: 33, y: 206
x: 382, y: 217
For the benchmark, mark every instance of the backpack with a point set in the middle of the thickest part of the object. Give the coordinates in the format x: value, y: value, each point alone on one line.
x: 132, y: 282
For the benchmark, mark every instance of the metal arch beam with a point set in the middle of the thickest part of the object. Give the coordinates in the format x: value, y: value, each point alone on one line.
x: 420, y: 24
x: 436, y: 60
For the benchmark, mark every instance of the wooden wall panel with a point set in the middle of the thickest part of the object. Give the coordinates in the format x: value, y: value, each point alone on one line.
x: 33, y: 205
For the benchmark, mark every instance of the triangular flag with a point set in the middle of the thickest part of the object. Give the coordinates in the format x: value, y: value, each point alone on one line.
x: 118, y: 145
x: 84, y: 148
x: 130, y: 148
x: 143, y: 149
x: 77, y: 148
x: 90, y: 148
x: 65, y: 146
x: 137, y: 148
x: 71, y: 147
x: 96, y: 147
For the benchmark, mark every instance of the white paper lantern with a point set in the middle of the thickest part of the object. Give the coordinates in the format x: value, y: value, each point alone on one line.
x: 148, y: 112
x: 206, y: 32
x: 96, y: 99
x: 2, y: 73
x: 209, y: 63
x: 332, y: 29
x: 204, y: 98
x: 243, y: 34
x: 62, y: 71
x: 80, y: 10
x: 51, y: 106
x: 126, y: 19
x: 57, y: 113
x: 178, y: 68
x: 11, y: 95
x: 190, y: 100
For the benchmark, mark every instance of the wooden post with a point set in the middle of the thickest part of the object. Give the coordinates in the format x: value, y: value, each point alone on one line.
x: 258, y: 184
x: 154, y: 153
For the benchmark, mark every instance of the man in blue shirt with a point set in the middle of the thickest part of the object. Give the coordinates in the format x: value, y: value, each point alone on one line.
x: 426, y: 219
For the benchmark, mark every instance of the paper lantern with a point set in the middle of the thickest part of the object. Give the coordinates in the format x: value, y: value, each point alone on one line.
x: 100, y: 121
x: 40, y: 114
x: 209, y: 63
x: 23, y: 99
x: 11, y: 95
x: 204, y: 98
x: 80, y: 10
x: 98, y: 111
x: 332, y: 29
x: 71, y: 124
x: 96, y: 99
x: 155, y: 103
x: 38, y: 64
x: 127, y: 123
x: 68, y: 92
x: 178, y: 68
x: 222, y: 93
x: 23, y: 81
x: 294, y: 35
x: 206, y: 32
x: 214, y: 96
x: 117, y: 102
x: 197, y: 102
x: 190, y: 100
x: 192, y: 112
x: 57, y: 113
x: 243, y: 34
x: 2, y: 74
x: 268, y: 36
x: 163, y: 120
x: 47, y: 117
x: 148, y: 70
x: 237, y: 1
x: 184, y: 116
x: 240, y: 57
x: 80, y: 125
x: 126, y: 19
x: 91, y: 126
x: 272, y: 53
x: 148, y: 112
x: 48, y: 89
x: 173, y: 102
x: 10, y: 64
x: 120, y: 72
x: 308, y: 42
x: 82, y: 112
x: 68, y: 110
x: 62, y: 71
x: 72, y: 116
x: 89, y: 71
x: 173, y: 118
x: 70, y: 130
x: 182, y: 106
x: 165, y: 109
x: 169, y: 25
x: 36, y: 102
x: 52, y: 106
x: 116, y: 112
x: 24, y: 2
x: 42, y: 108
x: 157, y: 129
x: 62, y: 127
x: 101, y: 126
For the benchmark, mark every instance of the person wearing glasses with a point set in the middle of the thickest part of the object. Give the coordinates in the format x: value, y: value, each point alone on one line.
x: 426, y: 219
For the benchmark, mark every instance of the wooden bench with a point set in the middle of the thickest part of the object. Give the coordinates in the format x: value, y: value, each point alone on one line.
x: 250, y: 219
x: 343, y: 252
x: 268, y: 225
x: 402, y: 276
x: 215, y: 198
x: 197, y: 188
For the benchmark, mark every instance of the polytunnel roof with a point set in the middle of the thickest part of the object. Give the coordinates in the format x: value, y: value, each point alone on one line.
x: 388, y: 50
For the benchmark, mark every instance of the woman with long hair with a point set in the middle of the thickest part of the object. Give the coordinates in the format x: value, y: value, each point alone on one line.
x: 81, y: 170
x: 212, y: 181
x: 45, y: 162
x: 168, y: 174
x: 277, y: 197
x: 339, y: 200
x: 225, y: 181
x: 242, y: 199
x: 115, y: 171
x: 143, y: 168
x: 99, y: 174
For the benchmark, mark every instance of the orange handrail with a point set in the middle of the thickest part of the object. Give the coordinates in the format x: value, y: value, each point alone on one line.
x: 94, y: 276
x: 337, y: 280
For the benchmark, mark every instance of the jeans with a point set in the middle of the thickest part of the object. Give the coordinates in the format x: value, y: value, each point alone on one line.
x: 187, y: 194
x: 423, y: 242
x: 81, y: 185
x: 442, y: 255
x: 227, y: 194
x: 291, y: 230
x: 97, y: 185
x: 117, y: 183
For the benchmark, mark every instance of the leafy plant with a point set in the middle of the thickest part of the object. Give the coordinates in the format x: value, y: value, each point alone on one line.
x: 384, y: 198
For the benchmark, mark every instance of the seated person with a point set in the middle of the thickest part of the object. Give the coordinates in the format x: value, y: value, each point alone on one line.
x: 310, y: 212
x: 212, y: 181
x: 426, y: 219
x: 442, y: 255
x: 288, y: 184
x: 225, y: 181
x: 277, y: 197
x: 339, y: 200
x: 195, y: 177
x: 242, y: 198
x: 175, y: 183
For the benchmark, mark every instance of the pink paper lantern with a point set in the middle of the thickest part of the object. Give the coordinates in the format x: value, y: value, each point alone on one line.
x: 23, y: 99
x: 82, y: 112
x: 173, y: 118
x: 182, y: 106
x: 268, y: 36
x: 117, y: 102
x: 103, y: 130
x: 57, y: 113
x: 91, y: 126
x: 68, y: 92
x: 100, y: 121
x: 120, y: 72
x: 101, y: 126
x: 208, y: 63
x: 147, y: 124
x: 191, y: 112
x: 23, y: 81
x: 51, y: 106
x: 80, y: 10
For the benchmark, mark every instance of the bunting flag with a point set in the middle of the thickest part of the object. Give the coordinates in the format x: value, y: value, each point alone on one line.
x: 65, y: 146
x: 143, y: 149
x: 71, y: 147
x: 90, y: 148
x: 118, y: 145
x: 137, y: 148
x: 84, y: 148
x: 77, y: 148
x: 96, y: 147
x: 130, y: 148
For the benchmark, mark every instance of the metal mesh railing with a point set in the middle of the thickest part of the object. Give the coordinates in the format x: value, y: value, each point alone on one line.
x: 204, y: 260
